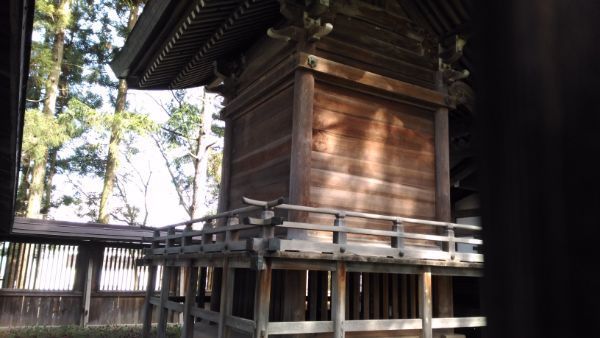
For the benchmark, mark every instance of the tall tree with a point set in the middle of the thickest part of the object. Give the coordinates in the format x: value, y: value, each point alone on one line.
x: 187, y: 141
x: 60, y: 13
x: 112, y: 162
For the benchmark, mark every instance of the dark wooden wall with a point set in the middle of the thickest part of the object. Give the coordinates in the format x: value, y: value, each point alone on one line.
x: 260, y: 153
x: 260, y: 116
x: 383, y: 41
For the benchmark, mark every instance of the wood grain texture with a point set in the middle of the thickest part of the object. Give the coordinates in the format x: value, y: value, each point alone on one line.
x: 379, y: 42
x: 373, y: 155
x: 302, y: 134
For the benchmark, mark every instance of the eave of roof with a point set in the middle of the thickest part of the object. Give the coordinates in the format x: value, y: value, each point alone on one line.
x: 165, y: 54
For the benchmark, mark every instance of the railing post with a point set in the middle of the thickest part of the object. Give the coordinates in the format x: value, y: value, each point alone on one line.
x: 340, y: 237
x: 150, y: 287
x: 206, y: 238
x: 268, y: 230
x: 230, y: 235
x: 451, y: 243
x: 338, y: 300
x: 398, y: 241
x: 425, y: 303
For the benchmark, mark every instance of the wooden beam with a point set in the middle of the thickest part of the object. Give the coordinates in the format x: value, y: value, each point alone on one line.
x: 448, y: 323
x: 191, y: 287
x: 262, y: 299
x: 302, y: 130
x: 443, y: 208
x: 150, y: 287
x: 379, y: 82
x: 425, y: 303
x: 227, y: 285
x: 442, y: 166
x: 382, y: 325
x: 88, y: 267
x: 87, y: 292
x: 299, y: 327
x: 225, y: 167
x: 161, y: 330
x: 338, y: 300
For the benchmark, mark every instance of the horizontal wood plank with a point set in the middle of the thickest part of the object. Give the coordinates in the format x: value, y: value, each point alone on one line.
x: 299, y: 327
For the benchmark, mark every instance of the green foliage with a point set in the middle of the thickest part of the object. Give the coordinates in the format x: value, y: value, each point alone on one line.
x: 89, y: 332
x: 41, y: 132
x: 134, y: 123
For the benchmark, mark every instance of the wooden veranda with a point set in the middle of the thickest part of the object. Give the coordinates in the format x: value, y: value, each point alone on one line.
x: 247, y: 242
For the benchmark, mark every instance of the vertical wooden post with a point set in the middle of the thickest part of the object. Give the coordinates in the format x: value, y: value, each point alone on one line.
x: 425, y: 303
x: 366, y: 290
x: 225, y: 167
x: 87, y: 292
x: 302, y: 130
x: 165, y: 289
x: 164, y: 297
x: 191, y: 284
x: 338, y: 299
x: 227, y: 284
x: 150, y: 287
x: 188, y: 286
x: 443, y: 211
x: 88, y: 267
x: 300, y: 164
x: 222, y: 206
x: 339, y: 237
x: 262, y: 300
x: 398, y: 241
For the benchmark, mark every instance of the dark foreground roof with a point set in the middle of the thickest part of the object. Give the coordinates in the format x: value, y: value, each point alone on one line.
x: 16, y: 22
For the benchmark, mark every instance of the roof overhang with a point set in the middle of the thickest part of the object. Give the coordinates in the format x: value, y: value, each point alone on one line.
x: 176, y: 42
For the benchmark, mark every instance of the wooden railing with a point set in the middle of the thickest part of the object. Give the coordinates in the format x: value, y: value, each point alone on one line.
x: 442, y: 239
x: 254, y: 238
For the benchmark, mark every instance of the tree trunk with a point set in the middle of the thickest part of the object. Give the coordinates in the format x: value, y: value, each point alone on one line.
x: 203, y: 145
x: 51, y: 171
x: 36, y: 190
x: 112, y: 162
x: 23, y: 191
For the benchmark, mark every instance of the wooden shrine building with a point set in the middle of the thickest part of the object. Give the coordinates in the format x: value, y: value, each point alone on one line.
x: 344, y: 109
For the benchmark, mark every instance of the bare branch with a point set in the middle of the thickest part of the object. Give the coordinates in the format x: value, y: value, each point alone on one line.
x: 173, y: 177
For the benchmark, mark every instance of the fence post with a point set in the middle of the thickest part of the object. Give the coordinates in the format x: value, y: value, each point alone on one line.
x: 87, y: 276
